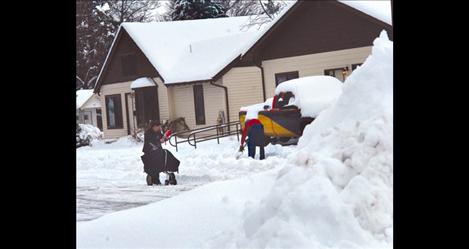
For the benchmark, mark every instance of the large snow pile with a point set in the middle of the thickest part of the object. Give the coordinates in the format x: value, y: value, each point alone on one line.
x: 312, y: 94
x: 335, y: 191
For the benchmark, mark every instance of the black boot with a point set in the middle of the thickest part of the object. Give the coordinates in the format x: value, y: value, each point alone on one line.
x: 166, y: 182
x: 156, y: 180
x: 172, y: 179
x: 149, y: 180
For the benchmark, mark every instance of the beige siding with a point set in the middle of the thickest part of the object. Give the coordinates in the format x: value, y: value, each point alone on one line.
x: 122, y: 88
x: 117, y: 88
x: 313, y: 64
x: 183, y: 103
x: 162, y: 99
x: 244, y: 88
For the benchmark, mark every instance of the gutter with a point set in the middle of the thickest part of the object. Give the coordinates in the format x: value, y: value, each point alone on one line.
x: 227, y: 103
x: 263, y: 80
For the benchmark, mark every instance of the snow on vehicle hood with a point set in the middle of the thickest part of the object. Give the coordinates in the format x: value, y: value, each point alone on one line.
x: 312, y: 94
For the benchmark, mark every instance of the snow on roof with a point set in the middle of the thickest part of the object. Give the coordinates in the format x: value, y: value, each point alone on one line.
x: 83, y: 96
x: 313, y: 94
x: 193, y: 50
x: 379, y: 9
x: 142, y: 82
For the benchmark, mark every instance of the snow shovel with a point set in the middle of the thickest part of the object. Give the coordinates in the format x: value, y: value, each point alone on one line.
x: 239, y: 154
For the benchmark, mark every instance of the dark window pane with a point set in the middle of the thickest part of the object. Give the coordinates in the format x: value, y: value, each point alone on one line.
x: 146, y: 100
x: 282, y: 77
x: 114, y: 111
x: 199, y: 104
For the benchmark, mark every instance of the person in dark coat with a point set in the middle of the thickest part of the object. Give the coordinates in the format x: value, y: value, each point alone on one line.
x: 254, y: 130
x: 156, y: 159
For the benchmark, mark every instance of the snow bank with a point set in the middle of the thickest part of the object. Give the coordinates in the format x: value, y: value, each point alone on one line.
x: 252, y: 111
x: 334, y: 192
x: 337, y: 191
x: 312, y: 94
x: 142, y: 82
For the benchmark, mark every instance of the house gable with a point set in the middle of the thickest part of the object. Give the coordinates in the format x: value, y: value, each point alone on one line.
x: 113, y: 68
x: 317, y: 26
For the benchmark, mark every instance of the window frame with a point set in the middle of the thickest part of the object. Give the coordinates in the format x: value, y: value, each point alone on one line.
x: 199, y: 105
x: 295, y: 74
x: 119, y: 115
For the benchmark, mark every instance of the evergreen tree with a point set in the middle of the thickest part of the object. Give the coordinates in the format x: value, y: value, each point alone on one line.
x: 196, y: 9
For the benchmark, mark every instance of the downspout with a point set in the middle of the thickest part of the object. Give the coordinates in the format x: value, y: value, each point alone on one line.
x: 263, y: 79
x: 227, y: 103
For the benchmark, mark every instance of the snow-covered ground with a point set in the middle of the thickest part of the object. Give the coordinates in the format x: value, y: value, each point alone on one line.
x: 110, y: 176
x: 334, y: 190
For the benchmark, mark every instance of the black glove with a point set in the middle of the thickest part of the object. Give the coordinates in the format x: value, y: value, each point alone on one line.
x: 241, y: 148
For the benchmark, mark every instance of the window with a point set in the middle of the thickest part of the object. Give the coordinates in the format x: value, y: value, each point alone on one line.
x: 339, y: 73
x: 281, y: 77
x: 354, y: 66
x: 146, y: 100
x: 114, y: 111
x: 99, y: 119
x: 199, y: 105
x: 85, y: 117
x: 129, y: 64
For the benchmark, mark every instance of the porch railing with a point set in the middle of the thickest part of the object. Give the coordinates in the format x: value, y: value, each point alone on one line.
x: 205, y: 134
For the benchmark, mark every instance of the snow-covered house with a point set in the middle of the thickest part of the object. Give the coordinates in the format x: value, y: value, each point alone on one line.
x: 198, y: 69
x: 89, y: 108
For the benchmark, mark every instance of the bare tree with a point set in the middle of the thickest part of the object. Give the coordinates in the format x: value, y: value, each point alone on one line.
x: 240, y: 7
x: 97, y: 22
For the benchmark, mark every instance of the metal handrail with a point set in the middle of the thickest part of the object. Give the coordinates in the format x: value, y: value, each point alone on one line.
x: 192, y: 139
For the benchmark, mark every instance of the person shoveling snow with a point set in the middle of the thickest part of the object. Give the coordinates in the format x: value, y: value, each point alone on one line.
x: 254, y: 129
x: 156, y: 159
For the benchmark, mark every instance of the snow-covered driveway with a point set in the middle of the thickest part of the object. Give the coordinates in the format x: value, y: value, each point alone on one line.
x: 110, y: 176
